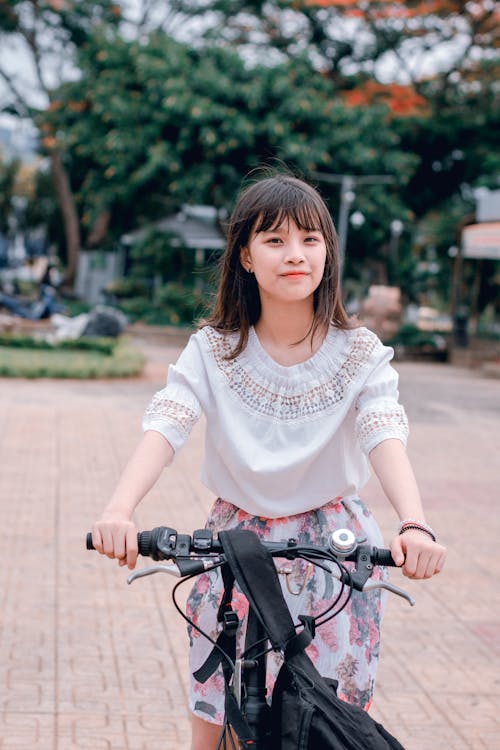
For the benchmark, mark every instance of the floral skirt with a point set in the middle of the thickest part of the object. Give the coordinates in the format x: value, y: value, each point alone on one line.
x: 346, y: 648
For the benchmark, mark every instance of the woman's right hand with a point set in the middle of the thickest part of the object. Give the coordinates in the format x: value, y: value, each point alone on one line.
x: 115, y: 536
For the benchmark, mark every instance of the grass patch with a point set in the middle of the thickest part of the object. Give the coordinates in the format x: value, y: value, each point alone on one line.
x: 104, y: 345
x: 124, y: 360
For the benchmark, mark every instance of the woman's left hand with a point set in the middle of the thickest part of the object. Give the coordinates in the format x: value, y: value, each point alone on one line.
x: 417, y: 555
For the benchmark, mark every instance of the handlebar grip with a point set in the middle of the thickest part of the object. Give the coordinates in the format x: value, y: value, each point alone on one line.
x: 144, y: 542
x: 383, y: 557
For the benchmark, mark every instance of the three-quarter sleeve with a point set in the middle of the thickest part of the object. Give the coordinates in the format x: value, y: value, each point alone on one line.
x: 380, y: 416
x: 174, y: 410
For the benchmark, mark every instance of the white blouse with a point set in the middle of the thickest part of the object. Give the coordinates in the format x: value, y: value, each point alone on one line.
x: 282, y: 440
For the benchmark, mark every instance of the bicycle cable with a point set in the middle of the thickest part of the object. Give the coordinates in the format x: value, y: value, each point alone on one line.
x: 318, y: 620
x: 226, y: 732
x: 345, y: 584
x: 312, y: 557
x: 193, y: 624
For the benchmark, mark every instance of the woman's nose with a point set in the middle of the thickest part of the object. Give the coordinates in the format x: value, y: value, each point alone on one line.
x: 294, y: 252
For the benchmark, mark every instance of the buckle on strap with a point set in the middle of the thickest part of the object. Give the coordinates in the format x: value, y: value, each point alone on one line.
x: 230, y: 622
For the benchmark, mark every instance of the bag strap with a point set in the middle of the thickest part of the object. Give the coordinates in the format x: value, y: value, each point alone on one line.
x: 226, y: 640
x: 254, y: 569
x: 251, y: 565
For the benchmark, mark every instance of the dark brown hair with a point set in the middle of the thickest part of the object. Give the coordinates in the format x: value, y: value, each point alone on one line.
x: 264, y: 205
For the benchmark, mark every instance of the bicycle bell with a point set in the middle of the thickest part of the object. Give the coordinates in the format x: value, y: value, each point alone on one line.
x: 342, y: 541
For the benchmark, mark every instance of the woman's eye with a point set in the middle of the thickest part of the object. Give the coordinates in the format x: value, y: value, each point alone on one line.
x: 312, y: 239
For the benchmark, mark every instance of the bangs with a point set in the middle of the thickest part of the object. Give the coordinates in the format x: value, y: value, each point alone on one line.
x: 290, y: 204
x: 264, y: 206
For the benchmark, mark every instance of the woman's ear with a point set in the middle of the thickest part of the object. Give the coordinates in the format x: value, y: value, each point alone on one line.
x: 245, y: 259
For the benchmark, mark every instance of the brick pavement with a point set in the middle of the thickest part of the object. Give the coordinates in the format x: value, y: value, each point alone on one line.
x: 88, y: 662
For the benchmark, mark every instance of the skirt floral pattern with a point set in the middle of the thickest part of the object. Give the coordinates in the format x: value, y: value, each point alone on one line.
x: 346, y: 648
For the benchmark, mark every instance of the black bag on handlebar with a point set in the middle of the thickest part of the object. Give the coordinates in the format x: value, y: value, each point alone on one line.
x: 306, y: 713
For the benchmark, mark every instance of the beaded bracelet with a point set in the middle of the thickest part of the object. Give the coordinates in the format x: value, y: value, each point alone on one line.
x: 410, y: 523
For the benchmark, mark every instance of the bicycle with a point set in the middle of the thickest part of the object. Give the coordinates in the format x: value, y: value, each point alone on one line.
x: 245, y: 674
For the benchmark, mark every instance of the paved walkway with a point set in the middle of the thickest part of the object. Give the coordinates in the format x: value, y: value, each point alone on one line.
x: 88, y: 662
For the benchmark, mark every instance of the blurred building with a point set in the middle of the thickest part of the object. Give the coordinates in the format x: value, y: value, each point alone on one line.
x: 482, y: 239
x: 195, y: 228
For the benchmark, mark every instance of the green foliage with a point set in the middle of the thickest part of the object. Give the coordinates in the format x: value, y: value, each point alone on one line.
x: 49, y: 34
x: 488, y: 326
x: 160, y: 286
x: 71, y: 22
x: 456, y: 144
x: 410, y: 335
x: 439, y: 150
x: 164, y: 124
x: 151, y: 123
x: 73, y: 307
x: 126, y: 288
x: 182, y: 304
x: 160, y: 254
x: 104, y: 345
x: 42, y: 209
x: 414, y: 343
x: 173, y: 304
x: 342, y: 38
x: 8, y: 15
x: 125, y: 361
x: 8, y: 171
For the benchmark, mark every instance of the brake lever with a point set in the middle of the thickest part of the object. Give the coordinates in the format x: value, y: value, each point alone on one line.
x: 170, y: 568
x: 184, y: 566
x: 371, y: 584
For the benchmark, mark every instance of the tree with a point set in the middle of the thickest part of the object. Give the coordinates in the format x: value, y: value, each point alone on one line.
x: 165, y: 124
x: 433, y: 63
x: 383, y: 40
x: 420, y: 58
x: 47, y: 35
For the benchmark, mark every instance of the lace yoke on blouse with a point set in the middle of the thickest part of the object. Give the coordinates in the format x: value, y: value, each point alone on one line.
x: 308, y: 427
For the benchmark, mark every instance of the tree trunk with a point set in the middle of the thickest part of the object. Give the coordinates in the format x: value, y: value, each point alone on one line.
x: 475, y: 291
x: 69, y: 215
x: 99, y: 229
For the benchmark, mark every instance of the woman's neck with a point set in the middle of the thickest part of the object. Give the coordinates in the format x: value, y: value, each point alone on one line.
x: 287, y: 335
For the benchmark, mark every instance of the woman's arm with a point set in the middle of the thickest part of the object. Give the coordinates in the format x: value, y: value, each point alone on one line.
x: 115, y: 534
x: 421, y: 556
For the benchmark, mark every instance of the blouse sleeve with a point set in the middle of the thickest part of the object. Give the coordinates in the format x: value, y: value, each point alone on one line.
x: 174, y: 410
x: 379, y: 414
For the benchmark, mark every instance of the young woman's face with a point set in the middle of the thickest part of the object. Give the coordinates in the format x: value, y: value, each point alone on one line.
x: 288, y: 262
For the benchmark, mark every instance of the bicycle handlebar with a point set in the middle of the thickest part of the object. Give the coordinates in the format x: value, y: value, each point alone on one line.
x: 165, y: 543
x: 200, y: 552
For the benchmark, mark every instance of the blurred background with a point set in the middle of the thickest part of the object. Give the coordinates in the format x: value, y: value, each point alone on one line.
x: 126, y: 129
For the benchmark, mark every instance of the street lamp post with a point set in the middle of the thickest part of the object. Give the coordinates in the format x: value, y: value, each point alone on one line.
x: 396, y: 227
x: 347, y: 197
x: 348, y: 185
